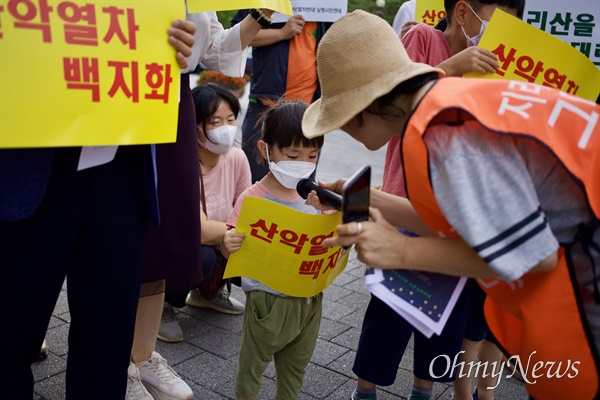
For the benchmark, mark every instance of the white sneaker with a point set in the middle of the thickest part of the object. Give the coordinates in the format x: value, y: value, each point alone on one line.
x: 135, y: 389
x: 169, y: 329
x: 161, y: 381
x: 222, y: 302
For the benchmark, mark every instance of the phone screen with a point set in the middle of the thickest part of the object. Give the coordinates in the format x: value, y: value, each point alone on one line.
x: 355, y: 196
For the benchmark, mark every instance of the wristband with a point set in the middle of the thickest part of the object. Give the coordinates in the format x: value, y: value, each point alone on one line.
x: 261, y: 18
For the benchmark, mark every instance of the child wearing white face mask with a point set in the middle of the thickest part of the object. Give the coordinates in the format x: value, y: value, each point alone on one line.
x: 277, y: 326
x: 225, y: 174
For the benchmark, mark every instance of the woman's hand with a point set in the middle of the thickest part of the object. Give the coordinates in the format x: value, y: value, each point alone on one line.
x: 378, y: 244
x: 313, y: 199
x: 181, y: 37
x: 231, y: 242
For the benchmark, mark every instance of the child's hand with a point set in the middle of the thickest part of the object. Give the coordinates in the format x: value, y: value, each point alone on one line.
x: 471, y: 59
x: 231, y: 242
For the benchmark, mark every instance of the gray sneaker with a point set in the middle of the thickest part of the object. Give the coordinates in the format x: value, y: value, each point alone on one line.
x: 222, y: 302
x: 169, y: 329
x: 135, y: 388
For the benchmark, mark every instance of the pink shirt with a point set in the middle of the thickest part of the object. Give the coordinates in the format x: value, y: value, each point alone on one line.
x: 425, y: 45
x: 261, y: 191
x: 225, y: 182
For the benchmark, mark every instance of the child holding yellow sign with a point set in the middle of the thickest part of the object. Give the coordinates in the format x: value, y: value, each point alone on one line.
x: 277, y: 326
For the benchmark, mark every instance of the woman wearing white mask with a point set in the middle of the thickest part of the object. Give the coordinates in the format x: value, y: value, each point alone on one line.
x: 225, y: 175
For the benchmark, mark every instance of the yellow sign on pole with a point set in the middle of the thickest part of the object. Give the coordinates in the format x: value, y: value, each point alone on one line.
x: 283, y: 6
x: 429, y: 11
x: 541, y: 58
x: 80, y: 73
x: 282, y: 248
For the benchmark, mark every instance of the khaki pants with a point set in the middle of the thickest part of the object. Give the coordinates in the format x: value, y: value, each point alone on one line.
x: 281, y: 328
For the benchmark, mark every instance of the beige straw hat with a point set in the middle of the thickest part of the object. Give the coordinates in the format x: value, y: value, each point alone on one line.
x: 359, y: 59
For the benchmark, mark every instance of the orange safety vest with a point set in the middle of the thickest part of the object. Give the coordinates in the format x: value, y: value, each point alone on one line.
x: 540, y: 319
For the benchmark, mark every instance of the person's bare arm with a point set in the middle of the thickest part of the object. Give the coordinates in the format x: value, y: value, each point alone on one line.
x: 211, y: 232
x: 249, y: 28
x: 292, y: 27
x: 380, y: 245
x: 397, y: 210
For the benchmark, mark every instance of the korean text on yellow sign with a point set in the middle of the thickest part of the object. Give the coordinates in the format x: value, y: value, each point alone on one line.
x: 526, y: 53
x: 283, y: 6
x: 282, y: 248
x: 75, y: 73
x: 429, y: 11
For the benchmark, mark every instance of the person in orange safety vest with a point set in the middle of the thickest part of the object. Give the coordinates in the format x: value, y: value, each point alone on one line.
x: 503, y: 182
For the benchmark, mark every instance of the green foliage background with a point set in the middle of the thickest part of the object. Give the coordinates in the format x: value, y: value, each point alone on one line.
x: 389, y: 11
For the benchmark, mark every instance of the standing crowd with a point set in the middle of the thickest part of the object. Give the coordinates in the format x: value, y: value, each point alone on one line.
x: 473, y: 186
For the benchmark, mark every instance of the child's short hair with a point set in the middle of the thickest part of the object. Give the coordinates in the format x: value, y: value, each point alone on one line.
x: 518, y: 5
x: 208, y: 97
x: 281, y: 126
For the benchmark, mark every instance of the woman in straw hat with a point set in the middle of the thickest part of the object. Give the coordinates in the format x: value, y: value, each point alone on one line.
x: 512, y: 204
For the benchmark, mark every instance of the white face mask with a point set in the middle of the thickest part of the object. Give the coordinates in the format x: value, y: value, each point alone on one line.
x: 474, y: 41
x: 220, y: 140
x: 289, y: 173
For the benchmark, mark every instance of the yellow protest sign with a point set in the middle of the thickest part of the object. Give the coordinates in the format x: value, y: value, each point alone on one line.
x: 283, y: 6
x: 429, y: 11
x: 282, y: 248
x: 78, y: 73
x: 526, y: 53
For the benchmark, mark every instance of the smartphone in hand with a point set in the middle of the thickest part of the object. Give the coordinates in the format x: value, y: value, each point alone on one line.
x: 355, y: 196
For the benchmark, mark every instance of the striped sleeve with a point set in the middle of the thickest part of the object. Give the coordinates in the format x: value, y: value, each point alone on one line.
x: 487, y: 194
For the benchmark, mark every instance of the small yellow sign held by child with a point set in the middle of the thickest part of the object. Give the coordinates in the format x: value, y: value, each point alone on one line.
x: 282, y: 248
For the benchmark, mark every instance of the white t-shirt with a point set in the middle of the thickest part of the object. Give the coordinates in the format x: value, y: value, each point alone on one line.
x: 405, y: 13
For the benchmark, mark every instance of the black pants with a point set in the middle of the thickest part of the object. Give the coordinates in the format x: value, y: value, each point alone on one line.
x: 91, y: 229
x: 385, y: 335
x: 251, y: 134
